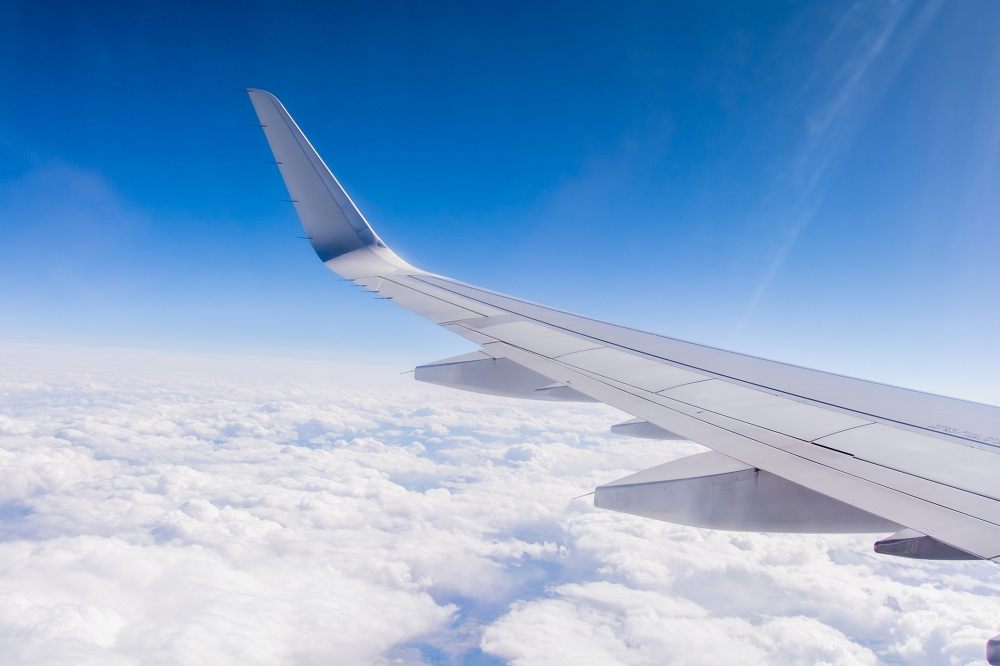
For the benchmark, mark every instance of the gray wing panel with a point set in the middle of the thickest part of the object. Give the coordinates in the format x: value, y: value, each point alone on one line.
x: 932, y: 481
x: 954, y: 516
x: 970, y: 422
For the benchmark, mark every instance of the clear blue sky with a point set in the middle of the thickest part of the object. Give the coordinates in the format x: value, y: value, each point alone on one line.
x: 813, y: 182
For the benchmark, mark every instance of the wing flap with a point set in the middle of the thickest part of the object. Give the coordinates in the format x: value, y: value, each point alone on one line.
x: 536, y: 337
x: 641, y: 372
x: 923, y: 456
x: 781, y: 414
x: 960, y: 420
x: 849, y: 480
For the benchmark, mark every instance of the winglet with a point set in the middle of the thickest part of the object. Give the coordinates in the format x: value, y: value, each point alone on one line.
x: 332, y: 222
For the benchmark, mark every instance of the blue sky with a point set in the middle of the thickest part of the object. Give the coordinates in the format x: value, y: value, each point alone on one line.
x: 812, y: 182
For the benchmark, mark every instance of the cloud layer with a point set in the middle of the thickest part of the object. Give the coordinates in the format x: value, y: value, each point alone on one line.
x: 169, y: 509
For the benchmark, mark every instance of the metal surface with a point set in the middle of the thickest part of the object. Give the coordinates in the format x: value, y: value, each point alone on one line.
x: 644, y: 373
x: 781, y: 414
x: 912, y: 544
x: 643, y: 430
x: 900, y: 498
x: 972, y: 423
x: 714, y: 491
x: 332, y: 222
x: 483, y: 373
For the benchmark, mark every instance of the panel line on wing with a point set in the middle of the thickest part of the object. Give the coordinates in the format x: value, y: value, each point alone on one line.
x: 790, y: 448
x: 459, y: 311
x: 796, y: 419
x: 880, y: 445
x: 769, y: 446
x: 780, y: 395
x: 937, y: 434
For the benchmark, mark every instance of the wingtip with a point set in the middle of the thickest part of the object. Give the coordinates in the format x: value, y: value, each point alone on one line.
x: 259, y: 91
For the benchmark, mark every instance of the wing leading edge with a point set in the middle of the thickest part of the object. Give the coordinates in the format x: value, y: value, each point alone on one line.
x: 851, y: 455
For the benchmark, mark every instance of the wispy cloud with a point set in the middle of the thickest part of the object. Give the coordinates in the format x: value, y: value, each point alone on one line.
x: 858, y: 59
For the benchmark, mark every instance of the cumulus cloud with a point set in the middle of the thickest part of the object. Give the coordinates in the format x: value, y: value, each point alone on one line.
x: 176, y: 509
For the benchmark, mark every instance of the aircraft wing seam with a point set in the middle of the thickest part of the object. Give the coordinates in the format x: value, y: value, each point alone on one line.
x: 938, y: 434
x: 987, y: 548
x: 963, y: 496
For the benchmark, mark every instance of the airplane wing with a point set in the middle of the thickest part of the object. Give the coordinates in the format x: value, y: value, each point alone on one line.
x: 792, y: 449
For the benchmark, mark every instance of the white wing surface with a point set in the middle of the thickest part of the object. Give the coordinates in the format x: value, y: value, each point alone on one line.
x: 793, y: 449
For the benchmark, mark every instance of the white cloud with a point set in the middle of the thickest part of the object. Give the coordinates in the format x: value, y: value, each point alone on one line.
x: 172, y: 509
